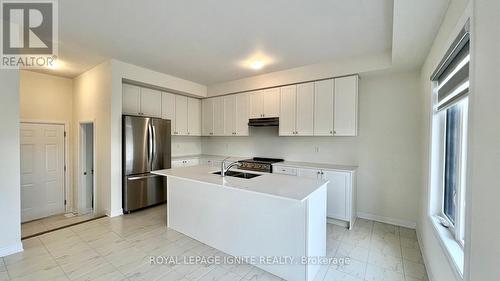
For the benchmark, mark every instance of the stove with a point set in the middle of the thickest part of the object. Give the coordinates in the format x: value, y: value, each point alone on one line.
x: 259, y: 164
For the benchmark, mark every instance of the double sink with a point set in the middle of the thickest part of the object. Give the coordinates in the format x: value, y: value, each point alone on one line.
x: 241, y: 175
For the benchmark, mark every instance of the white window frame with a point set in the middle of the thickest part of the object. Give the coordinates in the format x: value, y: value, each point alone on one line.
x: 457, y: 230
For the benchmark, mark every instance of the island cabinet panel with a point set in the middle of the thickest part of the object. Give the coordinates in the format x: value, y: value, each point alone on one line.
x: 251, y: 224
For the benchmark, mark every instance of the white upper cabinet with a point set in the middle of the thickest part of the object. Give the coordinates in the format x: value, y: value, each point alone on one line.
x: 131, y: 100
x: 150, y: 102
x: 207, y: 117
x: 229, y: 115
x: 168, y: 109
x: 345, y: 121
x: 305, y: 109
x: 288, y: 110
x: 181, y: 115
x: 241, y: 115
x: 218, y: 116
x: 297, y: 110
x: 256, y: 104
x: 271, y: 102
x: 265, y: 103
x: 194, y: 117
x: 141, y: 101
x: 323, y: 107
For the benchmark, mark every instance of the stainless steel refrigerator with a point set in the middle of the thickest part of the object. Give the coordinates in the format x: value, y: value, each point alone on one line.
x: 146, y: 147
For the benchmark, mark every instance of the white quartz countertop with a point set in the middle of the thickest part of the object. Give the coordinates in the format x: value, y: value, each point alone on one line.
x: 281, y: 186
x: 207, y: 156
x: 323, y: 166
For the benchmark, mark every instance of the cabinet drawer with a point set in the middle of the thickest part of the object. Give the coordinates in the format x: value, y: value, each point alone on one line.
x: 285, y: 170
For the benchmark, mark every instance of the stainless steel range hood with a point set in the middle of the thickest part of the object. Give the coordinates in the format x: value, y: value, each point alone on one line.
x: 264, y: 122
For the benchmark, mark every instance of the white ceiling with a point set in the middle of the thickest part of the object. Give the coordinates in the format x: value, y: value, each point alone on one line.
x: 205, y: 41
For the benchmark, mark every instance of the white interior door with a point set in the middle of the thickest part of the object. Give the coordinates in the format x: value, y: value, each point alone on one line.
x: 42, y: 170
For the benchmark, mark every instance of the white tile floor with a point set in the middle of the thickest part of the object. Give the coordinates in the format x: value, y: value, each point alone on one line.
x: 53, y: 222
x: 119, y: 249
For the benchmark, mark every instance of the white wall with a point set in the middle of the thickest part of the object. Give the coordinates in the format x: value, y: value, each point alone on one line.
x: 304, y: 73
x: 44, y: 97
x: 92, y: 102
x: 10, y: 186
x: 186, y: 145
x: 386, y: 150
x: 438, y: 266
x: 484, y: 146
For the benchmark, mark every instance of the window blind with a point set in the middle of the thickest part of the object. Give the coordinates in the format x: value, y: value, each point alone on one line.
x: 452, y: 74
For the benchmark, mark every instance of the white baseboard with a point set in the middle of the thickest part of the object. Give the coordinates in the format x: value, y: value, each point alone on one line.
x: 398, y: 222
x: 115, y: 213
x: 428, y: 268
x: 11, y: 249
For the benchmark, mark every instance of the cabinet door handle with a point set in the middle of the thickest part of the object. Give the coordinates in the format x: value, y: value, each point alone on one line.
x: 331, y: 132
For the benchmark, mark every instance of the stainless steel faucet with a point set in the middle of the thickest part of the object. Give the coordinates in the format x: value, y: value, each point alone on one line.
x: 224, y: 169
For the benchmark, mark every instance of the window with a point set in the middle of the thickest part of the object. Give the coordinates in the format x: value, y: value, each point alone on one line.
x: 451, y: 90
x: 453, y: 166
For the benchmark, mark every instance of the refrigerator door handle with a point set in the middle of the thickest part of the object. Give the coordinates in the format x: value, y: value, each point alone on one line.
x: 150, y: 146
x: 142, y: 177
x: 153, y: 151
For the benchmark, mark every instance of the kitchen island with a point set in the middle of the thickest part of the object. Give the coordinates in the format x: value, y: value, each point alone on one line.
x: 267, y: 218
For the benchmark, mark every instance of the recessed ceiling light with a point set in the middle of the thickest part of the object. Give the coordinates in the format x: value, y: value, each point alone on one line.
x: 257, y: 64
x: 256, y: 61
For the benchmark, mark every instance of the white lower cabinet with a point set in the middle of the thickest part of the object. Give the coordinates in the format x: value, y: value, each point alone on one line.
x: 341, y: 194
